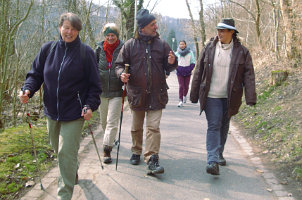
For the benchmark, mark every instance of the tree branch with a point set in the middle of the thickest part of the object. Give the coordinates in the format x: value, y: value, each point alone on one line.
x: 238, y: 4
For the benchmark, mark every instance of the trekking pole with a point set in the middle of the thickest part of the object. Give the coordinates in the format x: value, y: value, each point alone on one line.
x: 34, y: 149
x: 121, y: 119
x: 91, y: 133
x: 96, y: 147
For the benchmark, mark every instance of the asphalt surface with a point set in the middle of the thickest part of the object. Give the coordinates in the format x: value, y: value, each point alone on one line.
x: 183, y: 155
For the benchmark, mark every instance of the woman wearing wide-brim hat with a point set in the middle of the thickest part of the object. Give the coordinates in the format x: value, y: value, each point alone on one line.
x: 224, y: 70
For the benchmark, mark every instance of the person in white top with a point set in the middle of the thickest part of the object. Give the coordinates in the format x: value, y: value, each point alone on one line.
x: 224, y: 70
x: 186, y: 63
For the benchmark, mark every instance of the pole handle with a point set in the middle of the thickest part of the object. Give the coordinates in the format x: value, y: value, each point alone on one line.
x: 126, y: 68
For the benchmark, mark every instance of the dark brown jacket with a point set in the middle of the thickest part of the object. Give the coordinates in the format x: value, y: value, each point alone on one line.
x: 241, y: 76
x: 147, y: 88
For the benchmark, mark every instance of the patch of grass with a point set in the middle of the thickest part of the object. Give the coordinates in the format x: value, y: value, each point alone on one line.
x: 17, y: 161
x: 274, y: 127
x: 277, y: 108
x: 266, y: 94
x: 298, y: 171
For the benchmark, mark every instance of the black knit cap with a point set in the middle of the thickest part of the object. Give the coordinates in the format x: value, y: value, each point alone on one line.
x: 143, y: 18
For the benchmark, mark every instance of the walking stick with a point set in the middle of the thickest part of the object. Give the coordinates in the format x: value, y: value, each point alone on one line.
x: 34, y: 149
x: 90, y: 130
x: 96, y: 147
x: 121, y: 119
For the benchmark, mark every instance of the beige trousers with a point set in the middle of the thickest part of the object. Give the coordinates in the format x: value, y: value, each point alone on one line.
x: 110, y: 112
x: 153, y: 136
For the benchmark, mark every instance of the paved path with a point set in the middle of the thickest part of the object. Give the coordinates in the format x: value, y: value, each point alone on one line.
x: 183, y: 154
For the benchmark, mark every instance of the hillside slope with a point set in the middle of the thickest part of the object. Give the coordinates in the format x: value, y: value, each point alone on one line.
x: 274, y: 125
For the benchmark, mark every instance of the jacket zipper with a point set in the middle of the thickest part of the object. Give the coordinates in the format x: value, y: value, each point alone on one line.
x: 79, y: 99
x: 109, y: 75
x: 109, y: 79
x: 149, y: 73
x: 58, y: 88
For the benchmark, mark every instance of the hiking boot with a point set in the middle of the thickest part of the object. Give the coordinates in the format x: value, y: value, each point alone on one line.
x: 221, y: 160
x: 135, y: 159
x: 107, y: 156
x: 213, y: 168
x: 153, y: 166
x: 180, y: 104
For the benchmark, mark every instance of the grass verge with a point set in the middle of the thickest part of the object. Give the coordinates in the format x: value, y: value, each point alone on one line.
x: 275, y: 125
x: 17, y: 161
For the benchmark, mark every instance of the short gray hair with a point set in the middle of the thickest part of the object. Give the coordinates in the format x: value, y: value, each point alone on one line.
x: 73, y: 18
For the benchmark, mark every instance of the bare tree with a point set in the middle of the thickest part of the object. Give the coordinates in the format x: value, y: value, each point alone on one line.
x: 255, y: 16
x: 126, y: 8
x: 276, y: 14
x: 288, y: 14
x: 194, y: 29
x: 9, y: 27
x: 107, y: 10
x: 87, y: 25
x: 202, y: 25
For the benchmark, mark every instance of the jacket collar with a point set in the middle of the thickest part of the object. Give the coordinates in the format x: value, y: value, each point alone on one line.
x: 101, y: 44
x: 139, y: 36
x: 72, y: 44
x: 214, y: 41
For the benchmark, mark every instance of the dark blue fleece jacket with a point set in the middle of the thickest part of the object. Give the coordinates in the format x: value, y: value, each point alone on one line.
x: 66, y: 77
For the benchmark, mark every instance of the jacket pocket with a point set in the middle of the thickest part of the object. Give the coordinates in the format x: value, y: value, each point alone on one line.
x: 236, y: 97
x: 135, y: 97
x: 163, y: 97
x: 202, y: 95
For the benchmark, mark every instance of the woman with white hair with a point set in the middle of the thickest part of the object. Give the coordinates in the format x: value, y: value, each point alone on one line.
x: 111, y: 97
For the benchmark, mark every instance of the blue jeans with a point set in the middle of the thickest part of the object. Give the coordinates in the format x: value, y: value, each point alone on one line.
x: 216, y: 110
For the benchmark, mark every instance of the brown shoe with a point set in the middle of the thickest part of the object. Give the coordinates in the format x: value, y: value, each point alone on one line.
x: 213, y: 168
x: 221, y: 160
x: 107, y: 156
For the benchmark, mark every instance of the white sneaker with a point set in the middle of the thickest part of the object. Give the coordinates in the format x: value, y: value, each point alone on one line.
x: 185, y: 99
x: 180, y: 104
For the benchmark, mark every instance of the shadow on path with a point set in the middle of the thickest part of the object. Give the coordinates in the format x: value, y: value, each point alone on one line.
x: 92, y: 192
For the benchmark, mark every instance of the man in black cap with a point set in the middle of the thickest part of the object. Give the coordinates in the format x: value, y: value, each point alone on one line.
x: 224, y: 69
x: 149, y: 58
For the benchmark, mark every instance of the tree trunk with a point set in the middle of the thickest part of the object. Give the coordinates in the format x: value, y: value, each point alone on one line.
x: 7, y: 37
x: 127, y: 13
x: 87, y: 25
x: 194, y: 30
x: 107, y: 11
x: 290, y: 28
x: 202, y: 25
x: 257, y: 22
x: 256, y: 18
x: 276, y: 29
